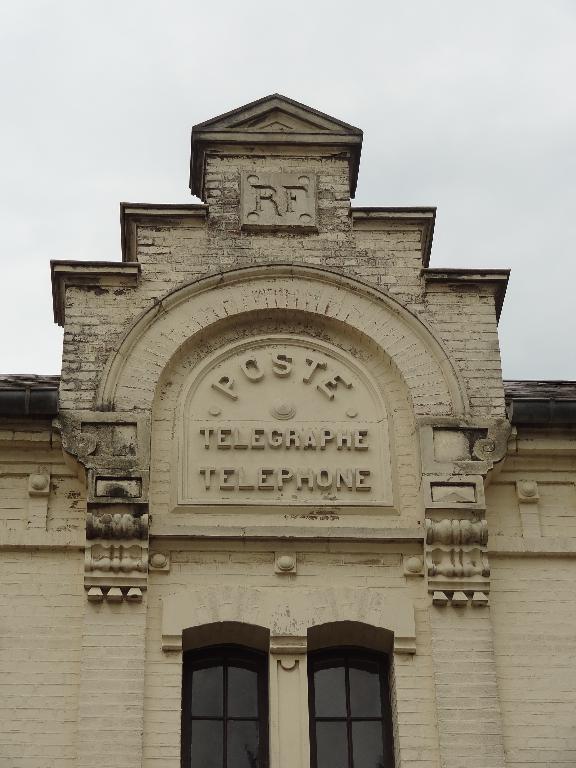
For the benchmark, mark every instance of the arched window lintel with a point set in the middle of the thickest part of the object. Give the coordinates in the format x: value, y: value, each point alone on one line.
x: 251, y: 616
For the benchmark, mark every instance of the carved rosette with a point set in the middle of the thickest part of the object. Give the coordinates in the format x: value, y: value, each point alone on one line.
x: 457, y: 459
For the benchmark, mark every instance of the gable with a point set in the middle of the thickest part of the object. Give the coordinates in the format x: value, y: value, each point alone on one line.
x: 275, y: 112
x: 275, y: 120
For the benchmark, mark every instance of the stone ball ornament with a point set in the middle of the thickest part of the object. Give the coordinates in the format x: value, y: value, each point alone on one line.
x: 39, y: 482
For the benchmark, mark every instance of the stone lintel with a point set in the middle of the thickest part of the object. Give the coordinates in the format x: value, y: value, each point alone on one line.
x: 495, y: 279
x: 107, y: 274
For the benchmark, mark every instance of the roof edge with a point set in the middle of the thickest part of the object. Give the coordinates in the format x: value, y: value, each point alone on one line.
x: 498, y: 278
x: 421, y: 214
x: 106, y: 274
x: 133, y: 213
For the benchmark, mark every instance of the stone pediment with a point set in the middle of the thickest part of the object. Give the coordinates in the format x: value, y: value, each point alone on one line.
x: 273, y: 120
x: 276, y: 113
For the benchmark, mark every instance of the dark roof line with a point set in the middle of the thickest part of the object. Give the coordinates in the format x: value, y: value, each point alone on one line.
x: 536, y: 403
x: 29, y: 395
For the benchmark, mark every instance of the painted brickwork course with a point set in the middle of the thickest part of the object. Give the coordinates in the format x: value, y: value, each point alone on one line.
x: 278, y: 426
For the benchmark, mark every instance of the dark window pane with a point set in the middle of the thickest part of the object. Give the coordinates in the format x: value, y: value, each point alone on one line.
x: 207, y: 744
x: 367, y: 751
x: 330, y: 692
x: 207, y: 685
x: 242, y: 692
x: 331, y: 745
x: 242, y: 744
x: 365, y: 690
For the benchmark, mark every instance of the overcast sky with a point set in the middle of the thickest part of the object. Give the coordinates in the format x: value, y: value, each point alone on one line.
x: 469, y: 106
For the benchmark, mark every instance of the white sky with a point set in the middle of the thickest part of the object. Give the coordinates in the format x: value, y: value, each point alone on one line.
x: 470, y: 106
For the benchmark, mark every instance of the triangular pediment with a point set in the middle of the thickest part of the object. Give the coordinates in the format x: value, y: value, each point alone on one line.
x: 274, y: 121
x: 276, y: 113
x: 278, y: 120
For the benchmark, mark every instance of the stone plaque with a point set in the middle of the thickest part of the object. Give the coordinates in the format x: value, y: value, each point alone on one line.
x: 284, y: 421
x: 278, y: 201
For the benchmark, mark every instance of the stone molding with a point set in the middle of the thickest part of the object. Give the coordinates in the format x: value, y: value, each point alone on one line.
x: 456, y: 560
x: 104, y: 274
x: 194, y: 307
x: 493, y: 280
x: 288, y: 613
x: 120, y: 525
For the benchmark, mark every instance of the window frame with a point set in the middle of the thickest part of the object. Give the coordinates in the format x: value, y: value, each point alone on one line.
x: 362, y: 654
x: 221, y: 655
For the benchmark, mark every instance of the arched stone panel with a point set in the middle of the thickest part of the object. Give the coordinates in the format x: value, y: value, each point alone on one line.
x: 288, y: 612
x: 131, y: 375
x: 287, y: 371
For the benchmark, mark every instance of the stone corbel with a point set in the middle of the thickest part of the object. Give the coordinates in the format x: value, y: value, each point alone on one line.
x: 462, y: 447
x: 458, y: 457
x: 116, y: 555
x: 457, y: 565
x: 113, y: 450
x: 288, y: 649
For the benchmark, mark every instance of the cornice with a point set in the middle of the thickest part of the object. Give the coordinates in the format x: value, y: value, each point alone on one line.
x: 378, y: 216
x: 496, y: 279
x: 106, y: 274
x: 132, y: 214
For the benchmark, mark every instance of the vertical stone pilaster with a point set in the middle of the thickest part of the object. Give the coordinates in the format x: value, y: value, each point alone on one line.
x: 289, y: 729
x: 468, y: 708
x: 528, y: 504
x: 111, y: 695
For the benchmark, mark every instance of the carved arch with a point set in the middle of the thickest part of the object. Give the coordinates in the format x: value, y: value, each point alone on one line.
x: 132, y: 372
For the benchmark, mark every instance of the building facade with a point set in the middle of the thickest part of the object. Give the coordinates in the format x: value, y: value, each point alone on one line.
x: 280, y: 507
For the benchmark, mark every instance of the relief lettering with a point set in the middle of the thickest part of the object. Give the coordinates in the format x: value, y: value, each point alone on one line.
x: 225, y: 385
x: 265, y: 193
x: 264, y: 483
x: 251, y: 370
x: 313, y: 363
x: 278, y: 201
x: 207, y: 473
x: 257, y: 439
x: 329, y: 386
x: 284, y: 423
x: 222, y: 438
x: 269, y: 478
x: 282, y: 365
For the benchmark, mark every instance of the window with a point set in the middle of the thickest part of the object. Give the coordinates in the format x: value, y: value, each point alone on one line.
x: 224, y: 708
x: 350, y: 722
